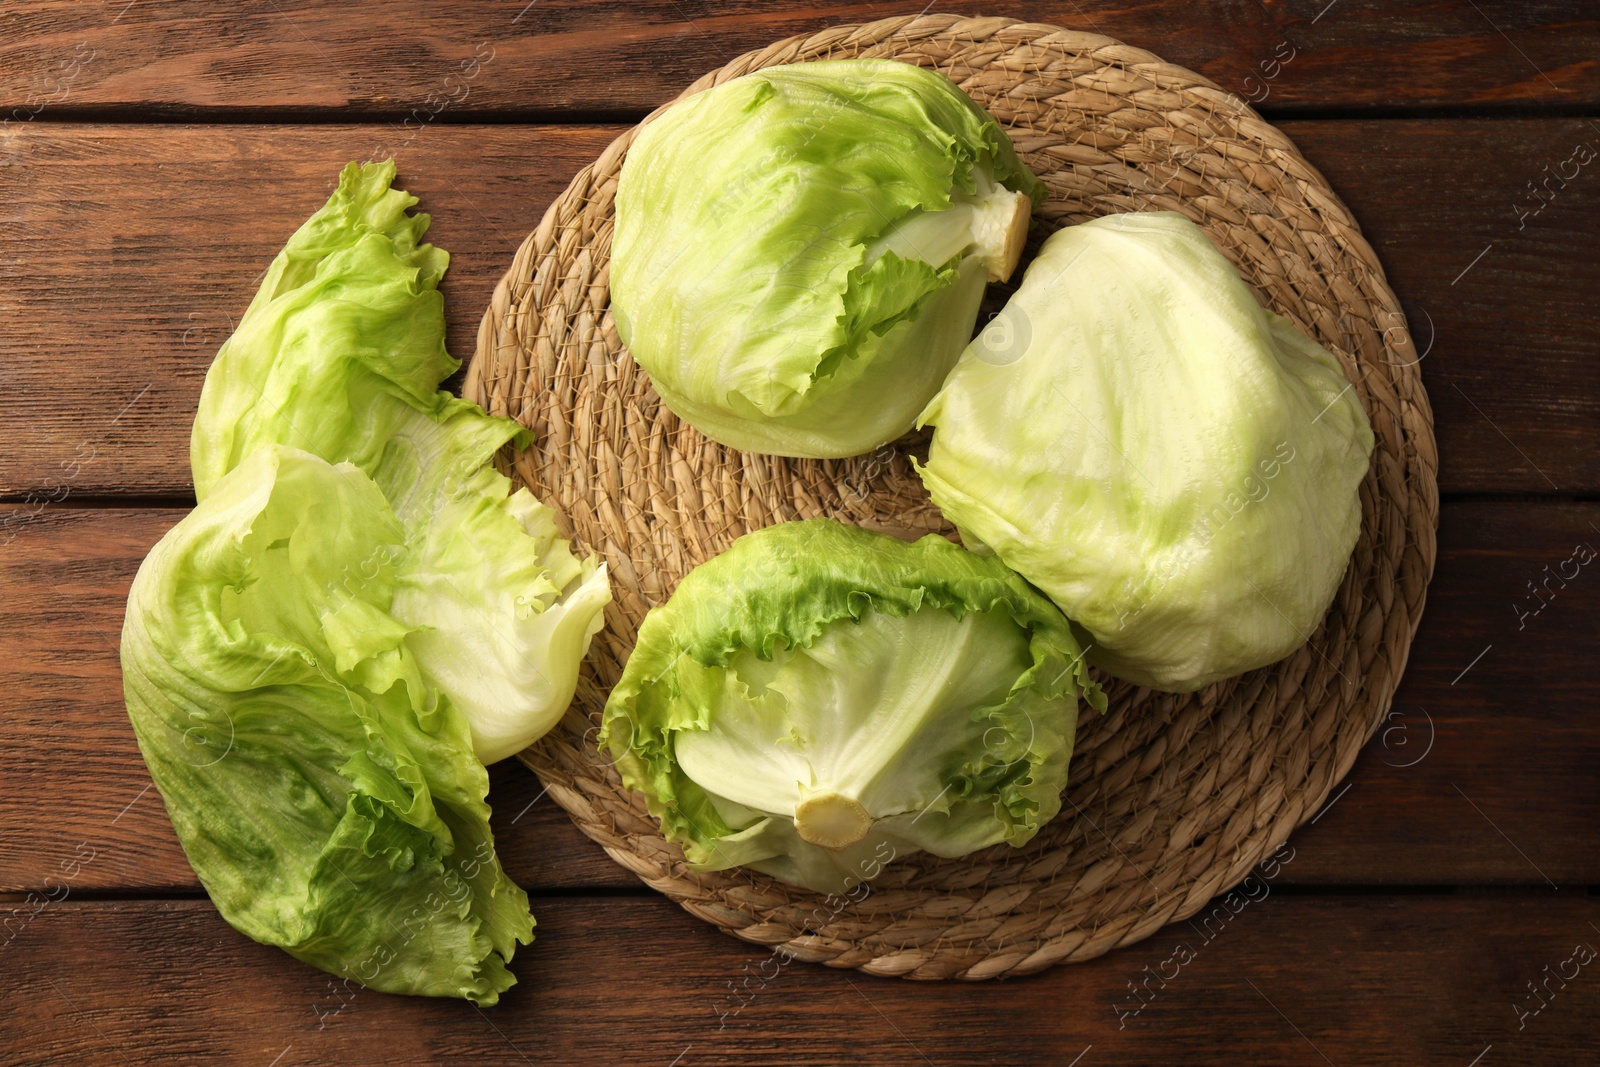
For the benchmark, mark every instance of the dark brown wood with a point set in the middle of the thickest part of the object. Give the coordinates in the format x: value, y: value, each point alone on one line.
x: 1365, y: 980
x: 136, y: 247
x: 1495, y: 715
x: 1480, y: 775
x: 126, y: 248
x: 560, y: 56
x: 166, y: 244
x: 1498, y: 283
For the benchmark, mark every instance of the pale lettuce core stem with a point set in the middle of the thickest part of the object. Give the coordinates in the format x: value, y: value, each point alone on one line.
x: 831, y: 821
x: 990, y: 223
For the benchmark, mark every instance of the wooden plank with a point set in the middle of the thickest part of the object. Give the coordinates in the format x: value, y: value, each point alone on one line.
x: 1369, y: 980
x: 1498, y: 284
x: 131, y: 252
x: 1482, y: 775
x: 134, y: 248
x: 561, y: 56
x: 1496, y: 710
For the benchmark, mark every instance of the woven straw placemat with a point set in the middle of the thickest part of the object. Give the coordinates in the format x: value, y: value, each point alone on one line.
x: 1172, y: 798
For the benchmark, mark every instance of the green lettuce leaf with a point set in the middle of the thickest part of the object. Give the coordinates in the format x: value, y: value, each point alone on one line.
x: 341, y: 354
x: 1177, y: 467
x: 820, y: 698
x: 326, y: 795
x: 799, y: 253
x: 343, y: 343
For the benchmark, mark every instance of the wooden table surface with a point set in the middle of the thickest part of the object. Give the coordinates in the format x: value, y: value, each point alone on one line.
x: 1441, y: 910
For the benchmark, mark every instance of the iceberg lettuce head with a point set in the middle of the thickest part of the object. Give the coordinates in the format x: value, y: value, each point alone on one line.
x: 819, y: 700
x: 1176, y: 466
x: 799, y: 253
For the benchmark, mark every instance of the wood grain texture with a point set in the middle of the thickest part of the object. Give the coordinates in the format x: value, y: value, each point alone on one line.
x: 1485, y: 777
x: 130, y: 251
x: 1498, y: 283
x: 126, y: 249
x: 1287, y: 980
x: 561, y: 56
x: 1483, y: 769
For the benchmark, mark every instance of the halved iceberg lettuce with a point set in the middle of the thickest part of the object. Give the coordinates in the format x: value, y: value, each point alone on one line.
x: 799, y: 253
x: 341, y: 354
x: 820, y: 699
x: 326, y: 795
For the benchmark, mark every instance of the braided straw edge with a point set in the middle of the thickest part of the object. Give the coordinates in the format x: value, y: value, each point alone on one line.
x: 730, y: 901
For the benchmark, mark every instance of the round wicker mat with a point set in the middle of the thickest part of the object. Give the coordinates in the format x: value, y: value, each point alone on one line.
x: 1173, y: 798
